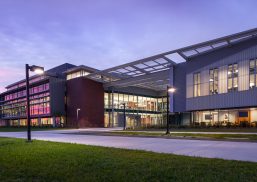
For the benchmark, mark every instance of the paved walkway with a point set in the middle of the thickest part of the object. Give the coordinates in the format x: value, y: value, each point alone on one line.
x: 149, y: 131
x: 244, y: 151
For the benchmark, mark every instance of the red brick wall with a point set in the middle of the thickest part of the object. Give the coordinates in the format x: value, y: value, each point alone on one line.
x: 87, y: 95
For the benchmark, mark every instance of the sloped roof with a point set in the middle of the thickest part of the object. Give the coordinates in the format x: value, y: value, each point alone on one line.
x: 153, y: 72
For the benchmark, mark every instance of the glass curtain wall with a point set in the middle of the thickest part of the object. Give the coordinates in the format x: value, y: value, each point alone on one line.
x: 232, y: 77
x: 213, y: 82
x: 226, y: 118
x: 141, y: 111
x: 197, y: 85
x: 77, y: 74
x: 44, y: 121
x: 252, y: 73
x: 15, y: 103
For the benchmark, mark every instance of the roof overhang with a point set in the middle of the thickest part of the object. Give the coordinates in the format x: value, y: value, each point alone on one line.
x: 79, y: 68
x: 151, y: 73
x: 155, y: 81
x: 212, y: 45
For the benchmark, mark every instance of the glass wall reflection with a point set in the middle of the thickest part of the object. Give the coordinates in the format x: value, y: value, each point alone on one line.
x: 246, y: 117
x: 141, y: 111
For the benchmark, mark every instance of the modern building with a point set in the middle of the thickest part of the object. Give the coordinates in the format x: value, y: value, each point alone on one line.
x: 47, y: 99
x: 215, y: 84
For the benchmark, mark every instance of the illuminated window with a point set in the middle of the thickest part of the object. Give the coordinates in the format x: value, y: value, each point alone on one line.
x: 213, y: 82
x: 77, y: 74
x: 252, y: 74
x: 197, y: 84
x: 232, y: 77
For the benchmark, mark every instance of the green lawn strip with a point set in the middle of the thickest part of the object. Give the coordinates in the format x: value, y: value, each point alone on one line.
x: 192, y: 135
x: 199, y: 129
x: 218, y: 136
x: 136, y: 133
x: 50, y: 161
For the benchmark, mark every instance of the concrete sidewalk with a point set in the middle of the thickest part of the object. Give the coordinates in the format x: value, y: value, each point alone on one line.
x: 148, y: 131
x: 243, y: 151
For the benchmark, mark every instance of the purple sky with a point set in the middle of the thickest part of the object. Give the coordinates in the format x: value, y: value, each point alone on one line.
x: 106, y: 33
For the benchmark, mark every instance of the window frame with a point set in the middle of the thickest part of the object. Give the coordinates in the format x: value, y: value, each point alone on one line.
x: 214, y: 81
x: 233, y: 76
x: 254, y: 73
x: 197, y: 85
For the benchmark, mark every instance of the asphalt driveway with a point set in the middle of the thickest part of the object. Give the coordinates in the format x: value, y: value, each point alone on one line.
x: 243, y: 151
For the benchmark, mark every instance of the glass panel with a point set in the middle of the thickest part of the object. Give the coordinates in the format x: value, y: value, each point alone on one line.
x: 252, y: 83
x: 229, y: 84
x: 196, y: 84
x: 211, y: 88
x: 232, y: 117
x: 195, y: 90
x: 235, y: 70
x: 216, y: 81
x: 230, y: 70
x: 106, y: 100
x: 252, y: 67
x: 223, y: 118
x: 235, y: 83
x: 252, y: 73
x: 198, y: 89
x: 233, y: 77
x: 198, y: 78
x: 115, y: 100
x: 216, y: 87
x: 126, y: 98
x: 211, y: 74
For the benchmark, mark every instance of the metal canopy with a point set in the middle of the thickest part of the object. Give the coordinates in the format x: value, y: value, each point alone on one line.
x: 155, y: 81
x: 151, y: 73
x: 208, y: 46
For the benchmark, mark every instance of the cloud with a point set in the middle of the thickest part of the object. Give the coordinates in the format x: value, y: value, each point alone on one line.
x: 103, y: 35
x: 17, y: 51
x: 9, y: 75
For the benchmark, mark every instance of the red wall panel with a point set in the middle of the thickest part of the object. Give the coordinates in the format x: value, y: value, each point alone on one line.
x: 88, y: 96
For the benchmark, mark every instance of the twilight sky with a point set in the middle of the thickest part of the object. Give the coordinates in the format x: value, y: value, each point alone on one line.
x: 106, y: 33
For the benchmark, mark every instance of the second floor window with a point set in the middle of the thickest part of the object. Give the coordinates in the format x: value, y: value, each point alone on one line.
x: 252, y: 73
x: 232, y: 77
x: 197, y: 84
x: 213, y: 82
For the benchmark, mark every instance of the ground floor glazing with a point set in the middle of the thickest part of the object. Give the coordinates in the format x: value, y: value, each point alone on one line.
x: 134, y: 119
x: 245, y: 117
x: 36, y: 122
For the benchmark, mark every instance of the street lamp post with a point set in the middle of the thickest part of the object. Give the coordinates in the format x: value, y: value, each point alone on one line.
x: 124, y: 115
x: 38, y: 70
x: 78, y: 109
x: 169, y: 90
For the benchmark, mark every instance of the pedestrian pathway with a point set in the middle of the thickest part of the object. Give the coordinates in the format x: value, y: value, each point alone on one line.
x: 243, y: 151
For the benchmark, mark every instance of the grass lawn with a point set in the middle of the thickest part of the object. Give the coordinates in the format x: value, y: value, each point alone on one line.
x: 49, y: 161
x: 252, y: 129
x: 219, y: 136
x: 244, y: 137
